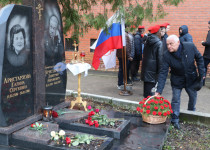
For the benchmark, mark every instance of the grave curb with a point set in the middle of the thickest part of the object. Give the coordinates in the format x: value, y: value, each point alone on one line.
x: 185, y: 115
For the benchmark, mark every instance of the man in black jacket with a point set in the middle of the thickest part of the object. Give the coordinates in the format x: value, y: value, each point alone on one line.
x: 180, y: 57
x: 138, y: 41
x: 184, y: 35
x: 206, y: 55
x: 152, y: 59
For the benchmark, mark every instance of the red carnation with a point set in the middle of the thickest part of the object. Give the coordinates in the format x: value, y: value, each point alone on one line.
x: 162, y: 107
x: 158, y: 97
x: 33, y: 125
x: 168, y: 112
x: 87, y: 121
x: 141, y: 110
x: 155, y: 107
x: 165, y: 105
x: 97, y: 110
x: 161, y: 102
x: 165, y: 114
x: 148, y: 96
x: 90, y: 123
x: 147, y: 111
x: 89, y: 118
x: 144, y: 105
x: 154, y: 113
x: 68, y: 140
x: 149, y: 102
x: 159, y: 113
x: 165, y: 100
x: 54, y: 114
x: 96, y: 125
x: 156, y: 102
x: 144, y: 99
x: 148, y: 107
x: 95, y: 122
x: 138, y: 108
x: 171, y: 111
x: 152, y: 100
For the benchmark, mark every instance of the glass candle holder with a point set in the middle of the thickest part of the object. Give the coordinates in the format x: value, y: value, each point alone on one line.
x: 47, y: 113
x: 82, y: 55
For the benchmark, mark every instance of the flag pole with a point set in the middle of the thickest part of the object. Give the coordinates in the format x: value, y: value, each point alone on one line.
x: 124, y: 92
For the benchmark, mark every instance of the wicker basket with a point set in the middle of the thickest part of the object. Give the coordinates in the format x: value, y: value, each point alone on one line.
x: 153, y: 119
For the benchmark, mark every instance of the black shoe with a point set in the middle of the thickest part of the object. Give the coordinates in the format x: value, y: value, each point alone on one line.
x: 135, y: 79
x: 176, y: 125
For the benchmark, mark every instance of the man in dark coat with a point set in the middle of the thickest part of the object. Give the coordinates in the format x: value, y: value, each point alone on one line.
x: 184, y: 35
x: 138, y: 41
x: 163, y: 35
x: 152, y: 59
x: 180, y: 57
x: 206, y: 55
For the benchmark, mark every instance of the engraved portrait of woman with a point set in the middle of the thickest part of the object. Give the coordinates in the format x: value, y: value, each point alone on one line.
x: 17, y: 53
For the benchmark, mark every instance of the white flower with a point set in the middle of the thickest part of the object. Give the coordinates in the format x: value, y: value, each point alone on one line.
x: 61, y: 132
x: 56, y: 137
x: 52, y: 133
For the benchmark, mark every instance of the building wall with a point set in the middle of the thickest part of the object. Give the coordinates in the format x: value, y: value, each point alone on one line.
x: 193, y: 13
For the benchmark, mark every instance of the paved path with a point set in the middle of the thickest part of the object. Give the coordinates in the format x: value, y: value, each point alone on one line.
x: 105, y: 83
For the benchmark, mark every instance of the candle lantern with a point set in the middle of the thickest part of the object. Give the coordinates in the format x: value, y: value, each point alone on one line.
x: 82, y: 55
x: 47, y: 113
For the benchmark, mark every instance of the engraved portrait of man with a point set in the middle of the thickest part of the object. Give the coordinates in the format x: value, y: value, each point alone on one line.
x: 53, y: 45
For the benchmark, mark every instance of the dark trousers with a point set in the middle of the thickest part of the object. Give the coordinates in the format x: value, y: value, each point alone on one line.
x: 147, y: 88
x: 134, y: 68
x: 175, y: 103
x: 206, y: 62
x: 120, y: 73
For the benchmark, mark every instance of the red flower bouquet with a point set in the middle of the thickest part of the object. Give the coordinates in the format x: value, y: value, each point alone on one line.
x: 154, y: 109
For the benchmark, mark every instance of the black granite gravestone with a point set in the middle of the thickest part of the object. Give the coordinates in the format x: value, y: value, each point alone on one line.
x: 55, y: 68
x: 16, y: 64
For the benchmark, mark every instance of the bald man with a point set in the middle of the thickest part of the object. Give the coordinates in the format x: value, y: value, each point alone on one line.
x: 180, y: 57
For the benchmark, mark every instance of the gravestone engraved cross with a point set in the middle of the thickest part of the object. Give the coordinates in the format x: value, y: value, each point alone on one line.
x: 39, y: 8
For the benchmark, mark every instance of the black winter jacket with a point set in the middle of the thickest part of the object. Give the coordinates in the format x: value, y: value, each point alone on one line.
x: 185, y: 36
x: 152, y: 59
x: 183, y: 70
x: 138, y: 46
x: 207, y: 46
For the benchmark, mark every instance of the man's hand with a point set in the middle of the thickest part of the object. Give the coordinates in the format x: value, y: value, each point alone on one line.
x: 157, y: 94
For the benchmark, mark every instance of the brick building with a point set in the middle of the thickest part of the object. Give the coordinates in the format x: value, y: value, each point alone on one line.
x: 193, y: 13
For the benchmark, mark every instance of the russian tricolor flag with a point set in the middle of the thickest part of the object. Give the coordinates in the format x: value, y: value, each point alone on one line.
x: 115, y: 39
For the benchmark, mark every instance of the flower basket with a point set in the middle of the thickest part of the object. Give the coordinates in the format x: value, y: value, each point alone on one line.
x: 154, y: 110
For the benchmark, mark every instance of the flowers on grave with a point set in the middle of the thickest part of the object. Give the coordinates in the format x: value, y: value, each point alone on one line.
x: 54, y: 114
x: 57, y: 113
x: 37, y: 127
x: 156, y: 106
x: 60, y: 138
x: 96, y: 119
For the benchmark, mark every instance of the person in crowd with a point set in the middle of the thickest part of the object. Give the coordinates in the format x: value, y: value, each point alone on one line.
x: 168, y: 26
x: 206, y: 55
x: 119, y: 54
x: 184, y: 35
x: 180, y: 58
x: 17, y: 54
x: 163, y: 35
x: 152, y: 59
x: 138, y: 41
x: 53, y: 45
x: 132, y: 53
